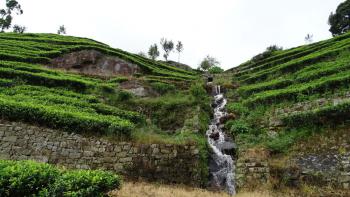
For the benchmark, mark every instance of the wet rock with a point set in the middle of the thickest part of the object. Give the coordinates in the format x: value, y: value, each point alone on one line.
x: 228, y: 148
x: 228, y: 117
x: 215, y: 136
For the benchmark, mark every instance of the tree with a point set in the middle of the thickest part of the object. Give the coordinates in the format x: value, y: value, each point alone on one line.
x: 153, y: 51
x: 142, y: 54
x: 179, y: 48
x: 6, y: 14
x: 267, y: 53
x: 208, y: 62
x: 340, y: 20
x: 61, y: 30
x: 309, y: 38
x: 19, y: 29
x: 168, y: 46
x: 215, y: 70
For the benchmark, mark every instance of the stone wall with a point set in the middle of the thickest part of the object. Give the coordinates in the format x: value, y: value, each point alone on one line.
x: 252, y: 168
x: 344, y: 178
x: 161, y: 162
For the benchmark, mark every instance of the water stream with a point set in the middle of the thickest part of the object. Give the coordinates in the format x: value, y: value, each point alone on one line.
x: 222, y: 165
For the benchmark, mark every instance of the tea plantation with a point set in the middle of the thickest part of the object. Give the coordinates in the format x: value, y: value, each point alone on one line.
x: 291, y: 94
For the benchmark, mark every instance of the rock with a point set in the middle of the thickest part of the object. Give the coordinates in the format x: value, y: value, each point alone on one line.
x: 215, y: 136
x: 137, y: 88
x: 228, y: 117
x: 92, y: 62
x: 228, y: 148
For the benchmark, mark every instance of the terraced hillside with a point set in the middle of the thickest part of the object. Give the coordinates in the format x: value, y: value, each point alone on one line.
x: 295, y: 104
x: 313, y: 77
x: 31, y: 92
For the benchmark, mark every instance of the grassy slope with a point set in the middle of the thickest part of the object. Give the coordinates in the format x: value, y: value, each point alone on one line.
x: 301, y: 74
x: 32, y: 93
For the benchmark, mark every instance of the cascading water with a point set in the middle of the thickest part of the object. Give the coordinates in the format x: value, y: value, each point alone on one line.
x: 222, y: 166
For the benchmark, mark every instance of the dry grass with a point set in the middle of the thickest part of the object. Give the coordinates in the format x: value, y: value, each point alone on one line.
x: 142, y: 189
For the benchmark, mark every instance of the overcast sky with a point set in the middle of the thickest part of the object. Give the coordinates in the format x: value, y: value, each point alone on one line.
x: 230, y: 30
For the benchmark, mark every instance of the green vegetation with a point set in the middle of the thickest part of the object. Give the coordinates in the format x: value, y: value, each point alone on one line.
x: 283, y: 79
x: 32, y: 93
x: 339, y: 21
x: 28, y: 178
x: 39, y: 48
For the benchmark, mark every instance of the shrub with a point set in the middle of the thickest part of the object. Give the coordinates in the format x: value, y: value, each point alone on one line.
x: 198, y: 92
x: 162, y: 88
x: 25, y: 178
x: 215, y: 70
x: 29, y: 178
x: 237, y: 108
x: 84, y: 183
x: 239, y: 127
x: 124, y: 96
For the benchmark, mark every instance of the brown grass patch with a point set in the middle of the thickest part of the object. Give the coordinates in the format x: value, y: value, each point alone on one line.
x: 142, y: 189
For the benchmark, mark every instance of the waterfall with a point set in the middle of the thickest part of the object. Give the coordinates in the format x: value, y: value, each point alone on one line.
x: 222, y: 165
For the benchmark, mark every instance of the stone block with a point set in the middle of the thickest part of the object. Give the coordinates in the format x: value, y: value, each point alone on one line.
x: 165, y: 151
x: 155, y: 151
x: 10, y: 139
x: 74, y: 155
x: 125, y: 159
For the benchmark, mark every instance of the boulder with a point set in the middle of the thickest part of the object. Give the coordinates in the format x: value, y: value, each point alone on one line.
x: 92, y: 62
x: 215, y: 136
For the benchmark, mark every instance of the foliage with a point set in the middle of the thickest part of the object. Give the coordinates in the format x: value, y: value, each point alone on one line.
x: 198, y: 92
x: 239, y: 127
x: 153, y: 51
x: 267, y: 53
x: 124, y: 96
x: 179, y: 48
x: 237, y: 108
x: 162, y: 88
x: 284, y: 80
x: 27, y: 178
x: 215, y: 70
x: 309, y: 38
x: 142, y: 54
x: 168, y: 46
x: 84, y: 183
x: 208, y: 62
x: 19, y: 29
x: 6, y: 14
x: 339, y: 21
x: 61, y: 30
x: 65, y: 110
x: 39, y: 48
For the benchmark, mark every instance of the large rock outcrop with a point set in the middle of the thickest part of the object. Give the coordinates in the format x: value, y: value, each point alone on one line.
x: 92, y: 62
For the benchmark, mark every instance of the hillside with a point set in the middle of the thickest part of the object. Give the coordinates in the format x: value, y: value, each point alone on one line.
x: 295, y: 103
x: 32, y: 90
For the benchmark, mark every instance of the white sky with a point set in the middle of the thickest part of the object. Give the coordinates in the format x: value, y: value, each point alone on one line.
x: 230, y: 30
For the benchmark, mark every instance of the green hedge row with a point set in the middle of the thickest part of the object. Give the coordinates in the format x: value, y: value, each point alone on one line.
x: 63, y: 44
x: 300, y: 63
x: 322, y: 117
x: 328, y: 83
x: 64, y: 117
x: 287, y: 55
x: 64, y: 98
x: 29, y: 178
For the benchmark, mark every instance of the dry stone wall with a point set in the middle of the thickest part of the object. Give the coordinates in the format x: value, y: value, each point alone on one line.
x: 252, y: 168
x: 161, y: 162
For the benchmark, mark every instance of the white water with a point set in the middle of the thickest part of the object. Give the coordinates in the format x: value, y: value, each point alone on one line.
x: 223, y: 175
